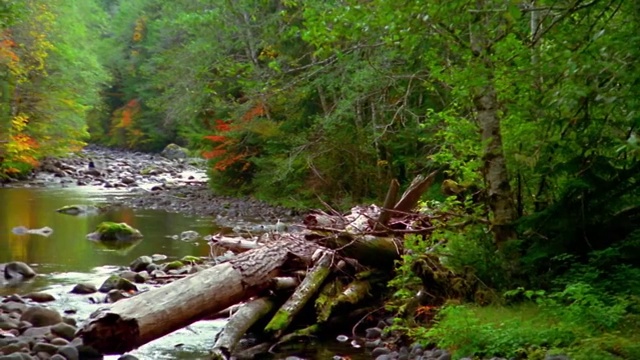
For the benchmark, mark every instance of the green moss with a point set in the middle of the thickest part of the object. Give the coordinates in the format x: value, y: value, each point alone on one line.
x: 279, y: 322
x: 78, y: 209
x: 326, y: 300
x: 110, y: 231
x: 174, y: 265
x: 190, y: 259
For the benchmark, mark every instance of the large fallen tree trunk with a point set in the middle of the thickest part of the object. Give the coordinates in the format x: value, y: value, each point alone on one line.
x: 131, y: 323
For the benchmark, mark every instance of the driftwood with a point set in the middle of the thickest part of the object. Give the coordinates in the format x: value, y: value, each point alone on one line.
x: 389, y: 203
x: 238, y: 324
x: 414, y: 192
x: 309, y: 286
x: 327, y: 267
x: 133, y: 322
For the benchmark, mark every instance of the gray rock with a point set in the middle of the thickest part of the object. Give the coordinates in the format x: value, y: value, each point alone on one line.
x: 8, y: 323
x: 59, y: 341
x: 39, y: 316
x: 45, y: 347
x: 373, y: 333
x: 64, y: 330
x: 445, y: 356
x: 40, y: 332
x: 11, y: 348
x: 110, y: 284
x: 132, y: 276
x: 403, y: 353
x: 79, y: 210
x: 126, y: 285
x: 174, y: 152
x: 84, y: 288
x: 115, y: 295
x: 88, y: 353
x: 13, y: 306
x: 69, y: 321
x: 380, y: 351
x: 159, y: 257
x: 58, y: 357
x: 16, y: 298
x: 18, y: 270
x: 372, y: 344
x: 127, y: 357
x: 39, y: 297
x: 141, y: 263
x: 128, y: 180
x: 189, y: 235
x: 384, y: 357
x: 69, y: 352
x: 17, y: 356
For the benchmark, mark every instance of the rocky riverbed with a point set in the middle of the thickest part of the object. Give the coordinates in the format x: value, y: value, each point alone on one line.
x: 175, y: 183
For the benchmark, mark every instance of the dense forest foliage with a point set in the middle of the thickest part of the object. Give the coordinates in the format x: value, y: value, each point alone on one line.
x: 528, y: 109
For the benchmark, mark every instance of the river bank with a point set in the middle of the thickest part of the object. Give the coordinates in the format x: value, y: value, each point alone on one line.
x: 150, y: 181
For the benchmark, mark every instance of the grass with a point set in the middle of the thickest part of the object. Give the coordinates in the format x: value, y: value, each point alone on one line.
x: 532, y: 330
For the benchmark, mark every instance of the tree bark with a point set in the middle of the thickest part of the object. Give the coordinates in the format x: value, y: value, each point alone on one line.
x: 486, y: 105
x: 389, y: 203
x: 238, y: 324
x: 414, y: 192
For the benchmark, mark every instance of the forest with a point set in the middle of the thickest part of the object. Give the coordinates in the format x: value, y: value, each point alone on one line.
x: 527, y: 110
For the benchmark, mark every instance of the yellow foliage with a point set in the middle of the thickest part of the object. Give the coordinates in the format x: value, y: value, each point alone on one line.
x: 19, y: 123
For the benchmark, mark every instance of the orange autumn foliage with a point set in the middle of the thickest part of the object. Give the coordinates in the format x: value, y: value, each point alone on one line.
x: 257, y: 110
x: 128, y: 111
x: 225, y: 152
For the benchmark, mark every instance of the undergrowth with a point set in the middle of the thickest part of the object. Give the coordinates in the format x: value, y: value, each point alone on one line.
x: 582, y: 307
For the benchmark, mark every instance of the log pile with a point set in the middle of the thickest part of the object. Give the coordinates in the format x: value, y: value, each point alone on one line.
x: 279, y: 285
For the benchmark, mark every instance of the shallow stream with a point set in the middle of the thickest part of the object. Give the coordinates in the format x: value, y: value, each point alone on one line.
x: 66, y: 258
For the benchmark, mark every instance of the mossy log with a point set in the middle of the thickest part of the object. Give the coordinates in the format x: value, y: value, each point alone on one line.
x: 247, y: 315
x: 303, y: 294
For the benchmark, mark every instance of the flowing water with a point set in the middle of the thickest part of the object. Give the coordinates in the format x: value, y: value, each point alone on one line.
x: 66, y: 258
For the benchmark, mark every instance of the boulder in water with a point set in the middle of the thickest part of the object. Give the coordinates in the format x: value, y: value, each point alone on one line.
x: 111, y: 231
x: 17, y: 270
x: 79, y: 210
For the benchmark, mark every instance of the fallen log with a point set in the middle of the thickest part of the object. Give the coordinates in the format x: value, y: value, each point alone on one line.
x: 133, y: 322
x: 238, y: 324
x: 309, y: 286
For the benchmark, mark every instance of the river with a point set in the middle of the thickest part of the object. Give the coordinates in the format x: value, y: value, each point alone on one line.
x: 66, y: 258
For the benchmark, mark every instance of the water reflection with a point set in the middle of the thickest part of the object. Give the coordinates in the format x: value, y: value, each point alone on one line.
x: 67, y: 249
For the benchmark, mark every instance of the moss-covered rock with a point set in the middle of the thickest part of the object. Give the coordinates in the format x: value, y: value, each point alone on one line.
x: 175, y: 152
x: 174, y: 265
x: 111, y: 231
x: 79, y: 210
x: 190, y: 259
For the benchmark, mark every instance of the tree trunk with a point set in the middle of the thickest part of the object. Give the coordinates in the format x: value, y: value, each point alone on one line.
x: 486, y: 105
